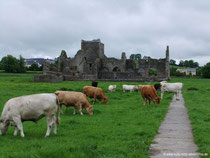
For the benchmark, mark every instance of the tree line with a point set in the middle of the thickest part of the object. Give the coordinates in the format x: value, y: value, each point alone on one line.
x: 14, y: 65
x: 185, y: 63
x: 201, y: 71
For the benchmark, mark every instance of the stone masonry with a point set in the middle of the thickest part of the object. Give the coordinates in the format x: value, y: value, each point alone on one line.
x: 90, y: 63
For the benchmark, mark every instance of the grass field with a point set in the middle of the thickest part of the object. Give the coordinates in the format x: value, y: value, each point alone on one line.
x: 123, y: 128
x: 196, y: 93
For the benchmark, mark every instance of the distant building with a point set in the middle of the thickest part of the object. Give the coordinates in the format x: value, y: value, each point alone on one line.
x: 188, y: 71
x: 38, y: 61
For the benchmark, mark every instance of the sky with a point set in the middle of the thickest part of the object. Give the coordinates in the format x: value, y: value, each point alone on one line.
x: 42, y: 28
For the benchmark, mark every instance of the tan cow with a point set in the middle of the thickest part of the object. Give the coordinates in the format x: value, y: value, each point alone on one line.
x: 30, y: 108
x: 96, y: 93
x: 149, y: 93
x: 76, y: 99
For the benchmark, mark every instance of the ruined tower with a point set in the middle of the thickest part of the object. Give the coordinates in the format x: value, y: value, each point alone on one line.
x: 167, y: 63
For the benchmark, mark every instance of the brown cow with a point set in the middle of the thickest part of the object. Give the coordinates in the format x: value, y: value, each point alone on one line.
x: 139, y: 87
x: 149, y: 93
x: 96, y: 93
x: 76, y: 99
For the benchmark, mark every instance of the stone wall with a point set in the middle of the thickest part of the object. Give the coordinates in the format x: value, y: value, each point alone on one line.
x: 90, y: 63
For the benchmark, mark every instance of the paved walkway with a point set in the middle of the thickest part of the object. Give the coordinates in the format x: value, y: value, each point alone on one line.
x: 175, y: 137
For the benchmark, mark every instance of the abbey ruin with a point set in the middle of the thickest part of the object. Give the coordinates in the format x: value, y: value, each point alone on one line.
x: 90, y: 63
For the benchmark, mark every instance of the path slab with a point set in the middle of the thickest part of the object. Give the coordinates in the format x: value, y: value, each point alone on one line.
x: 175, y: 137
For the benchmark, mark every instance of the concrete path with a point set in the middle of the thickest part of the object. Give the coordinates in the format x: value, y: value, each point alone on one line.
x: 175, y: 137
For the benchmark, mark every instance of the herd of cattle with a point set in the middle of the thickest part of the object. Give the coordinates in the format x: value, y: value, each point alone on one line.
x: 34, y: 107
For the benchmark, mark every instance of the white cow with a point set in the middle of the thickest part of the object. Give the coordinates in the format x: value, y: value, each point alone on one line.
x: 30, y: 108
x: 112, y: 88
x: 130, y: 88
x: 171, y: 88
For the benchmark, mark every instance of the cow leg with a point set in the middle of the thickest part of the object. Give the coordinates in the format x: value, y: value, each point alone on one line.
x: 74, y: 110
x: 19, y: 125
x: 80, y: 109
x: 49, y: 125
x: 54, y: 125
x: 94, y: 100
x: 177, y: 95
x: 162, y: 92
x: 149, y: 101
x: 16, y: 131
x: 143, y: 98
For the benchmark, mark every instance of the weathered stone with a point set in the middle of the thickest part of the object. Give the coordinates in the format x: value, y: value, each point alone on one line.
x: 90, y: 63
x: 48, y: 78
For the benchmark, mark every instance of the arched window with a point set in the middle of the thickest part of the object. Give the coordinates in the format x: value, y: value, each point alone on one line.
x: 116, y: 69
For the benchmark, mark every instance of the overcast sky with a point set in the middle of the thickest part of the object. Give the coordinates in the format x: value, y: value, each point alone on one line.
x: 42, y: 28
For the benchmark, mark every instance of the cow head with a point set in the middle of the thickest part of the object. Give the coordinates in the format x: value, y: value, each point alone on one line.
x: 89, y: 110
x: 157, y: 100
x: 105, y: 100
x: 3, y: 127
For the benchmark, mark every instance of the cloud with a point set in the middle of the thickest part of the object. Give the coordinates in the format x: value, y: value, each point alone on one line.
x: 44, y: 28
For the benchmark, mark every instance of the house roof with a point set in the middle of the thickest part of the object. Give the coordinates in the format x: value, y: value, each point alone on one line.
x: 188, y: 69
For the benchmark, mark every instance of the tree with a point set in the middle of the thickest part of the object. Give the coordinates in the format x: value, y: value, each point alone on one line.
x: 206, y: 70
x: 9, y: 63
x: 186, y: 63
x: 172, y: 62
x: 135, y: 56
x: 1, y: 67
x: 147, y: 57
x: 199, y: 71
x: 21, y: 63
x: 172, y: 71
x: 132, y: 56
x: 138, y: 56
x: 34, y: 67
x: 181, y: 63
x: 196, y: 64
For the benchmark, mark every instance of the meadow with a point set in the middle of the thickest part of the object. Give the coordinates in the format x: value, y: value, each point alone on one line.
x: 122, y: 128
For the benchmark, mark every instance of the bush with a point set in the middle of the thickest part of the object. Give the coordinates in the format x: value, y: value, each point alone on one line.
x: 206, y: 70
x: 35, y: 67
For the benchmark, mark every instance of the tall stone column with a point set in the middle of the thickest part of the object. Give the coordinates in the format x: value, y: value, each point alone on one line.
x: 167, y: 63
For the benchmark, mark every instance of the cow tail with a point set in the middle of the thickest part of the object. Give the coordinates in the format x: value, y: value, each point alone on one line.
x: 59, y: 111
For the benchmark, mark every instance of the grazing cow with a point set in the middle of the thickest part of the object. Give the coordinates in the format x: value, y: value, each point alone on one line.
x: 96, y: 93
x: 94, y: 83
x: 157, y: 86
x: 76, y: 99
x: 149, y: 93
x: 112, y: 88
x: 130, y: 88
x: 30, y: 108
x: 140, y: 86
x: 171, y: 88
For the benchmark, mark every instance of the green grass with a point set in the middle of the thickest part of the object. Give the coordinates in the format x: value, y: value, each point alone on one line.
x: 196, y: 93
x: 122, y: 128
